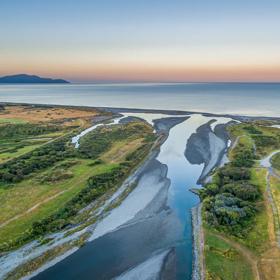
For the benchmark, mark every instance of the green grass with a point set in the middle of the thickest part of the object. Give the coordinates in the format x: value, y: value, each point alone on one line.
x: 19, y: 152
x: 258, y: 236
x: 244, y: 142
x: 11, y: 121
x: 46, y: 191
x: 17, y: 200
x: 223, y: 261
x: 262, y: 149
x: 276, y: 161
x: 275, y: 190
x: 15, y: 147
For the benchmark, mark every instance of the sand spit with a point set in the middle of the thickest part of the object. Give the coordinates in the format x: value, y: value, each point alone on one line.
x: 166, y: 124
x: 208, y: 145
x: 148, y: 270
x: 150, y: 183
x: 51, y: 263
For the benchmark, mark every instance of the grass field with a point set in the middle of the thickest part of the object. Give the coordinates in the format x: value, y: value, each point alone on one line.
x: 29, y: 193
x: 275, y: 190
x: 258, y: 236
x: 4, y: 120
x: 18, y: 152
x: 265, y: 139
x: 44, y: 192
x: 15, y: 147
x: 276, y: 162
x: 66, y: 118
x: 224, y: 261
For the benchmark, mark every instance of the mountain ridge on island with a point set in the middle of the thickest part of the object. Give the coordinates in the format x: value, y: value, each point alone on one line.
x: 30, y: 79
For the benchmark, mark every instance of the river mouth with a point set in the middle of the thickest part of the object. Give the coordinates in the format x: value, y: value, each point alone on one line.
x: 149, y: 236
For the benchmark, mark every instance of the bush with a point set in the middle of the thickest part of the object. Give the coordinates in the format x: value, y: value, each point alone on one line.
x: 93, y: 144
x: 265, y: 141
x: 252, y: 129
x: 229, y: 203
x: 244, y: 158
x: 56, y: 175
x: 27, y: 129
x: 227, y: 210
x: 276, y: 161
x: 43, y: 157
x: 242, y: 190
x: 229, y: 173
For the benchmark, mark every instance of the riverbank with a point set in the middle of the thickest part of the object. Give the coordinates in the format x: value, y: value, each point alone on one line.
x: 256, y: 241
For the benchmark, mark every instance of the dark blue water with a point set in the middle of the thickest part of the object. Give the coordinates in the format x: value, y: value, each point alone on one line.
x: 233, y: 98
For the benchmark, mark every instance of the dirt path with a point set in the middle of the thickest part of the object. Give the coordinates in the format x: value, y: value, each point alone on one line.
x: 235, y: 143
x: 269, y: 262
x: 274, y: 223
x: 246, y: 253
x: 48, y: 199
x: 32, y: 208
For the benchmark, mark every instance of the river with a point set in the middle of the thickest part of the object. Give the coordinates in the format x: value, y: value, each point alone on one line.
x: 149, y: 236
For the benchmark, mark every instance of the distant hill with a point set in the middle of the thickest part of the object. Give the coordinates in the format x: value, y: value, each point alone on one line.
x: 29, y: 79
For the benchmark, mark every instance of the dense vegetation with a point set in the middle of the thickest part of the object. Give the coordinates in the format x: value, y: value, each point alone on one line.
x: 238, y: 218
x: 222, y: 260
x: 99, y: 184
x: 25, y: 129
x: 19, y: 138
x: 53, y: 163
x: 229, y: 202
x: 17, y: 169
x: 100, y: 141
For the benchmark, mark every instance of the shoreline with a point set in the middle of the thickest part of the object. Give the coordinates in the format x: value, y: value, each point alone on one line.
x: 116, y: 110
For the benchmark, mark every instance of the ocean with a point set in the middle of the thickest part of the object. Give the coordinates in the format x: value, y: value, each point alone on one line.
x: 254, y: 99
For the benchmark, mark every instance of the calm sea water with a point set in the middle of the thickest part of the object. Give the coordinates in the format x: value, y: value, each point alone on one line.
x: 256, y: 99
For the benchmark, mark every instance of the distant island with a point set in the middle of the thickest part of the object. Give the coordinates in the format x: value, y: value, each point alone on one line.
x: 30, y: 79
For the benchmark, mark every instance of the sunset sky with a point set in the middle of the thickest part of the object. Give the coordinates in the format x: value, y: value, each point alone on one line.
x: 144, y: 40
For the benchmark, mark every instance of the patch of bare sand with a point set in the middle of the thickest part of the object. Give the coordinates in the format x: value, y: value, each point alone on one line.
x: 45, y: 114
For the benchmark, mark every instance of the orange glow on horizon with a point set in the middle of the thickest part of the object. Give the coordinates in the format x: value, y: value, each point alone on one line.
x: 127, y: 73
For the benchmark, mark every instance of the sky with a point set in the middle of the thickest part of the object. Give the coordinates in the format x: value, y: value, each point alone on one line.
x: 141, y: 40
